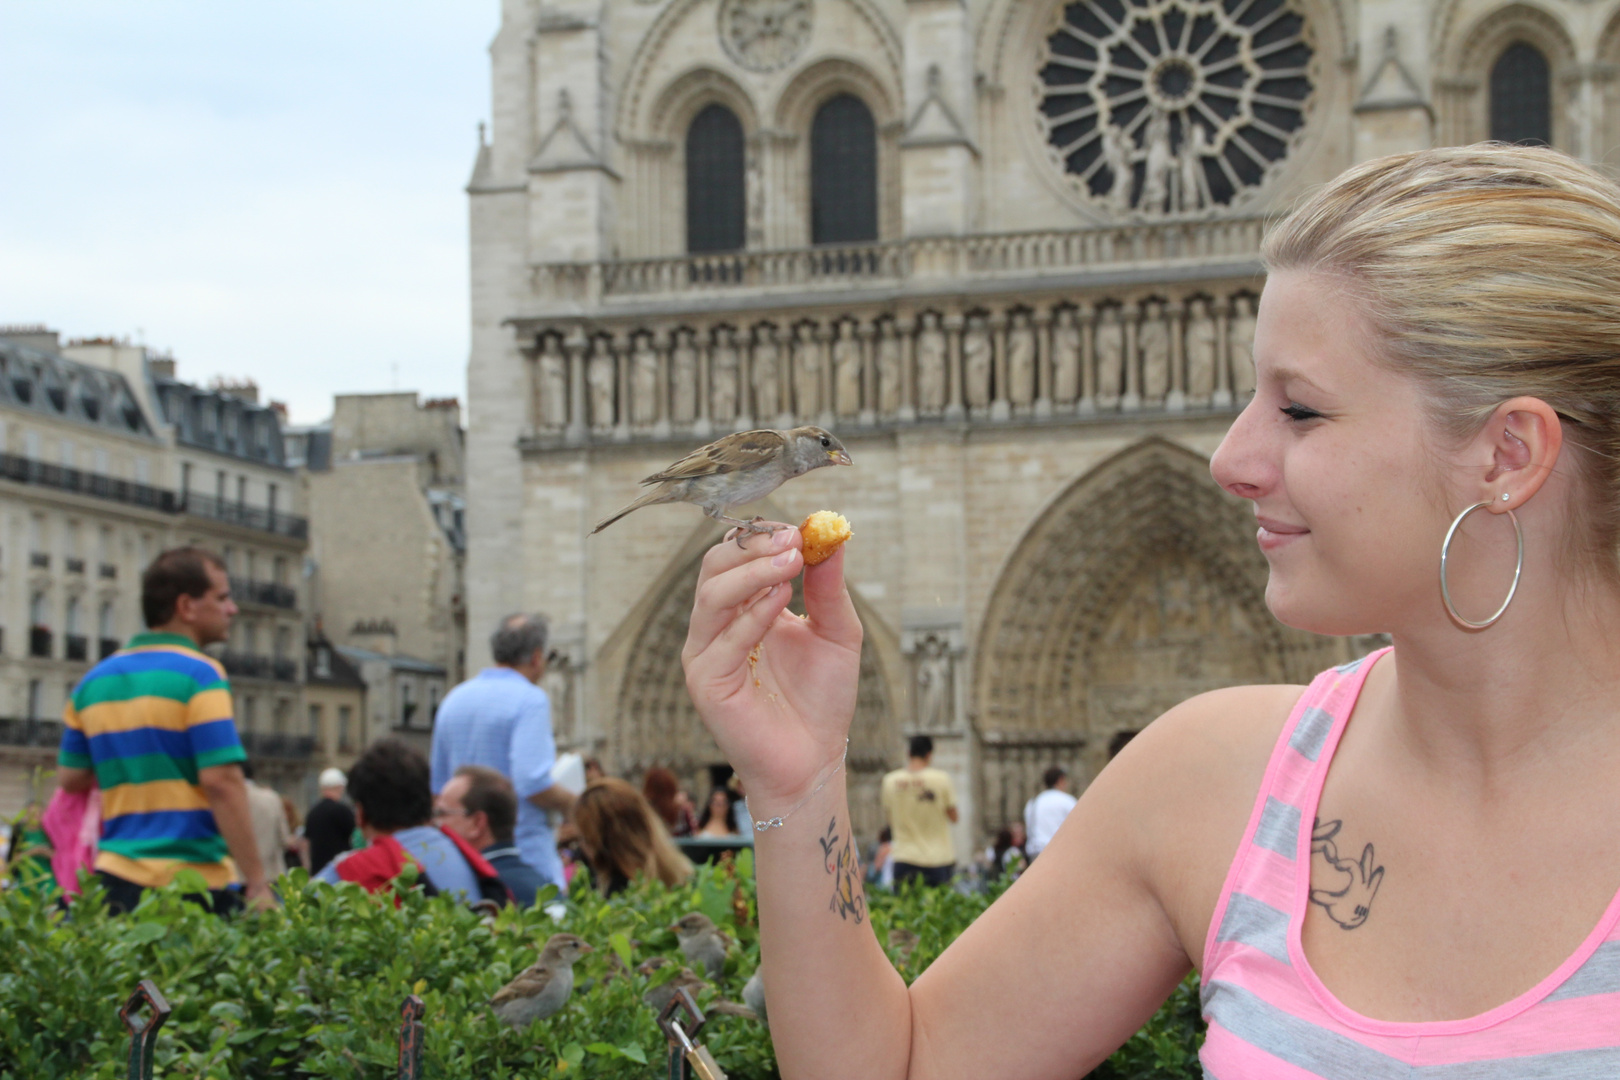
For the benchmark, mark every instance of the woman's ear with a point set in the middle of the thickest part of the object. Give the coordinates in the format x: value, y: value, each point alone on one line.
x: 1525, y: 438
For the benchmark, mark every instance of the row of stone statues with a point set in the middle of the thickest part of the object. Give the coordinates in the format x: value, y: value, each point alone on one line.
x: 1079, y: 358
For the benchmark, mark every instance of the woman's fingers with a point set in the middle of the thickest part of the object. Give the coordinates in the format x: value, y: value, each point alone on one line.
x: 721, y: 595
x: 827, y: 604
x: 728, y: 554
x: 728, y: 650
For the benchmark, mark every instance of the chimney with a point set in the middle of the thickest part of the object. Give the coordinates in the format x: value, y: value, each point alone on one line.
x: 33, y: 336
x: 161, y: 367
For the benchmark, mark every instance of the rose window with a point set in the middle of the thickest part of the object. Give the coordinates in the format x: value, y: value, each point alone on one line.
x: 1173, y: 106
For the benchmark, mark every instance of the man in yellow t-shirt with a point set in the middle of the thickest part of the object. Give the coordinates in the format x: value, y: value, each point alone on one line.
x: 920, y: 804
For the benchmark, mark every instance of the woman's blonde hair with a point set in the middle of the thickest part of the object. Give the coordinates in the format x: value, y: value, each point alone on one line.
x: 1491, y: 272
x: 621, y: 832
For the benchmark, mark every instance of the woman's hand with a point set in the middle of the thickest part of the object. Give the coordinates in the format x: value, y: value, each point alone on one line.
x: 776, y: 691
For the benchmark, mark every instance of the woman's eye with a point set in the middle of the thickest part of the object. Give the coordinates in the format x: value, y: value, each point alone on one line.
x: 1299, y: 412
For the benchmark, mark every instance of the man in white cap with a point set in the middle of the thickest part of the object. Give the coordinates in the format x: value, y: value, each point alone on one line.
x: 329, y: 828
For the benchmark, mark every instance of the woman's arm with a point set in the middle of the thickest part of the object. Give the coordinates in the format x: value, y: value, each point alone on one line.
x: 1058, y: 973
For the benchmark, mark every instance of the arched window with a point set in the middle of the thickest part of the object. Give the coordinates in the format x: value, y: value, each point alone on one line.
x: 716, y: 207
x: 1521, y: 96
x: 843, y: 173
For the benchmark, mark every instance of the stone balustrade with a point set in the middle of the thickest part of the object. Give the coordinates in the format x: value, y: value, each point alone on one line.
x: 943, y: 359
x: 1165, y: 243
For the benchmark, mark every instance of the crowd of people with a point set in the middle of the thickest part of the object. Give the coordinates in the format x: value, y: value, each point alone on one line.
x: 492, y: 812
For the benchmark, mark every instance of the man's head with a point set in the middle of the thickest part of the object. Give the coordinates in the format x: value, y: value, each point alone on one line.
x: 187, y: 591
x: 1056, y: 776
x: 478, y: 805
x: 921, y: 749
x: 389, y: 787
x: 333, y: 784
x: 520, y: 644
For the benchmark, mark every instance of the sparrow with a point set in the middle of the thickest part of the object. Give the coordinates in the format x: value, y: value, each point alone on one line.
x: 701, y: 942
x: 543, y: 987
x: 754, y: 994
x: 903, y: 942
x: 737, y: 470
x: 657, y: 998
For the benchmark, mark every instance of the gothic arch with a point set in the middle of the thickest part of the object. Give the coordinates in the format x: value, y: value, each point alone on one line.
x: 1462, y: 105
x: 656, y: 723
x: 1137, y: 587
x: 688, y: 94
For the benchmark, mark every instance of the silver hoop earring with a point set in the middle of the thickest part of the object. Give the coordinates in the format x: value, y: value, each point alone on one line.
x: 1445, y: 553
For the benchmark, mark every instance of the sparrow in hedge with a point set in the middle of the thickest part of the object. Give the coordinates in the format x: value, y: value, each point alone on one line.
x: 754, y: 994
x: 543, y: 987
x: 701, y: 942
x: 738, y: 470
x: 657, y: 998
x: 903, y: 942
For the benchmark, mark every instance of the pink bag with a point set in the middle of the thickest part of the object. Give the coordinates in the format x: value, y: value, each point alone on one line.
x: 72, y: 821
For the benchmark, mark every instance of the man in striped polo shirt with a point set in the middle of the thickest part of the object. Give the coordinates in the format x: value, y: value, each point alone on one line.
x: 151, y: 725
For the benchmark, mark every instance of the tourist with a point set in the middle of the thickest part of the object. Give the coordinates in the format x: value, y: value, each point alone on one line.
x: 329, y: 829
x: 501, y: 719
x: 479, y: 805
x: 394, y: 808
x: 920, y: 803
x: 1047, y: 811
x: 160, y: 709
x: 270, y: 830
x: 296, y: 853
x: 673, y: 805
x: 1406, y: 867
x: 622, y: 838
x: 1006, y: 854
x: 716, y: 819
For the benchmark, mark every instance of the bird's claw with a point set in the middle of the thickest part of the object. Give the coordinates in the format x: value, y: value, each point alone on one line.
x: 758, y: 526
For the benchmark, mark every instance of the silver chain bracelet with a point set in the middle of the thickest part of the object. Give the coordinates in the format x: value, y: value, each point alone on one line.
x: 779, y: 821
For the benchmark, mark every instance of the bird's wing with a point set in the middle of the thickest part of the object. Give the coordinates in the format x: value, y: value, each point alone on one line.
x: 740, y: 451
x: 528, y: 984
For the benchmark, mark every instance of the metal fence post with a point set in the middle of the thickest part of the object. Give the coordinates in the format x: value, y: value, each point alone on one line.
x: 410, y: 1038
x: 143, y: 1037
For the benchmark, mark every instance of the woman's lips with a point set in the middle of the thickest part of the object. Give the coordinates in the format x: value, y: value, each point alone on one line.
x: 1277, y: 534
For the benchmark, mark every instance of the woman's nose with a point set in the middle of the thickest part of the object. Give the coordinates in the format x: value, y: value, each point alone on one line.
x: 1241, y: 463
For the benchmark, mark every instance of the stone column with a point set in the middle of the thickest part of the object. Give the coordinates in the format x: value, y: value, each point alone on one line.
x: 661, y: 344
x: 1085, y: 316
x: 1000, y: 407
x: 1041, y: 326
x: 1176, y: 400
x: 574, y: 345
x: 745, y: 380
x: 952, y: 324
x: 620, y: 344
x: 823, y: 335
x: 701, y: 341
x: 904, y: 328
x: 1223, y: 356
x: 1132, y: 401
x: 866, y: 337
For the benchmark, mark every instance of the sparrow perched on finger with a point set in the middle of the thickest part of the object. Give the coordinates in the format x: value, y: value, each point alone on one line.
x: 737, y: 470
x: 542, y: 988
x: 702, y: 943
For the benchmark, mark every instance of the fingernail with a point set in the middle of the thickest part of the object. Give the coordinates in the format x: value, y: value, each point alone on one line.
x: 785, y: 559
x: 781, y: 538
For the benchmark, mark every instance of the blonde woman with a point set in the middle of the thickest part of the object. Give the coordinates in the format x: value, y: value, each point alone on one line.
x: 622, y: 837
x: 1408, y: 868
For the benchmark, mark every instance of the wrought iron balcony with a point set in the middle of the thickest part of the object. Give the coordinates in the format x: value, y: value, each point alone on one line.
x: 73, y: 566
x: 108, y: 571
x: 39, y: 560
x: 15, y: 731
x: 263, y: 592
x: 250, y: 666
x: 276, y: 745
x: 236, y: 513
x: 78, y: 646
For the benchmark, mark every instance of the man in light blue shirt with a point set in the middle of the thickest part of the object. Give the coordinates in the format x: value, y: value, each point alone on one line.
x: 501, y: 720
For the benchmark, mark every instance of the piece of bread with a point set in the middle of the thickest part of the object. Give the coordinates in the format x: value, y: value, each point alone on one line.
x: 823, y: 532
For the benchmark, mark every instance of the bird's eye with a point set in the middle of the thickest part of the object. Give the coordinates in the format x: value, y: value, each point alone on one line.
x: 825, y: 441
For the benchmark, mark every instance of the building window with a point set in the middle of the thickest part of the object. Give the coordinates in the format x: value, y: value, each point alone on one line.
x: 407, y: 704
x: 1521, y: 96
x: 249, y: 707
x: 315, y: 721
x: 241, y: 491
x: 843, y: 173
x: 185, y: 478
x: 323, y: 663
x: 345, y: 722
x: 716, y: 206
x: 36, y: 694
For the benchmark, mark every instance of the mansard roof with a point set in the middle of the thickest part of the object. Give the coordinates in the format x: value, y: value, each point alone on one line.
x: 51, y: 385
x: 220, y: 422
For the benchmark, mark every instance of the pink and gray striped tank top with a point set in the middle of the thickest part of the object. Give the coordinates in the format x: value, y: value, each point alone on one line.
x: 1270, y: 1018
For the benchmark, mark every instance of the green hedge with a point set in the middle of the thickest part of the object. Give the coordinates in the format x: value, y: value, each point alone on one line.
x: 314, y: 989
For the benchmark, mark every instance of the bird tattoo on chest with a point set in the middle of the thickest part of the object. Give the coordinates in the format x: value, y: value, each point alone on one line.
x: 737, y: 470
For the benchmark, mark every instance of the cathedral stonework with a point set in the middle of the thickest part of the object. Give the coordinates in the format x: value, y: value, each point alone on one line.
x: 1008, y: 251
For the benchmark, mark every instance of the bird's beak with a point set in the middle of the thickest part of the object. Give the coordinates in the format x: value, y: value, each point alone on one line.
x: 840, y: 457
x: 586, y: 949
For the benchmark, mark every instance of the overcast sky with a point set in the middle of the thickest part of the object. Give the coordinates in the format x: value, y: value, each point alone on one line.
x: 271, y: 190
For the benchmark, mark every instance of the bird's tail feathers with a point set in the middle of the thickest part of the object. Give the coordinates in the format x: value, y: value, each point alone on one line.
x: 646, y: 500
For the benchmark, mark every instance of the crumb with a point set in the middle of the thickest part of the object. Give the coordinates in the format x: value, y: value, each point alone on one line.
x: 824, y: 532
x: 753, y: 660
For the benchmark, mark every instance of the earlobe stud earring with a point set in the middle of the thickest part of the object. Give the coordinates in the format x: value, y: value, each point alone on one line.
x: 1505, y: 496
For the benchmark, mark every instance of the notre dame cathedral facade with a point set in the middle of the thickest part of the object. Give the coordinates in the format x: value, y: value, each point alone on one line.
x: 1007, y: 251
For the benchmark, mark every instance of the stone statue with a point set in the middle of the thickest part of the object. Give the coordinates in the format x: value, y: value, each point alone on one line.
x: 599, y: 384
x: 1240, y: 340
x: 978, y: 358
x: 888, y: 369
x: 766, y: 374
x: 1161, y: 164
x: 1153, y: 341
x: 1201, y: 353
x: 644, y: 381
x: 931, y: 376
x: 1193, y: 193
x: 1110, y: 358
x: 806, y: 372
x: 1116, y: 154
x: 683, y: 379
x: 1020, y: 359
x: 847, y: 370
x: 723, y: 388
x: 1065, y: 356
x: 935, y: 692
x: 553, y: 377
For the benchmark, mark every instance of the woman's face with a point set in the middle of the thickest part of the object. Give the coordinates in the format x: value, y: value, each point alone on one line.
x: 719, y: 805
x: 1335, y: 453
